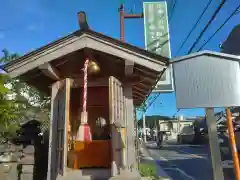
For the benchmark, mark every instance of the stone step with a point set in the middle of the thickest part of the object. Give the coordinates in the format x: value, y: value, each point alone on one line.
x: 26, y: 177
x: 72, y: 177
x: 86, y: 174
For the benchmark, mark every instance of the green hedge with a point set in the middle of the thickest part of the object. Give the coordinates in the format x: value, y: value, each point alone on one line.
x: 148, y: 170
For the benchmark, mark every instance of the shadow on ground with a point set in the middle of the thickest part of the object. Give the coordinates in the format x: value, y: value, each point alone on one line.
x: 183, y: 166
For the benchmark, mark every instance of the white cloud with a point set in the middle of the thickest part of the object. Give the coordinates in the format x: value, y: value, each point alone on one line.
x: 31, y: 27
x: 2, y: 35
x: 35, y: 27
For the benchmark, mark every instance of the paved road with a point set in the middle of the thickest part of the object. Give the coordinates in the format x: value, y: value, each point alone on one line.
x: 184, y: 162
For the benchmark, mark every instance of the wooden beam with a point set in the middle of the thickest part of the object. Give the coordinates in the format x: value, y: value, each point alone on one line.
x: 146, y: 72
x: 49, y: 71
x: 74, y: 43
x: 136, y: 100
x: 146, y: 80
x: 142, y: 90
x: 91, y: 83
x: 139, y: 94
x: 146, y: 76
x: 143, y: 85
x: 134, y: 80
x: 129, y: 67
x: 136, y: 97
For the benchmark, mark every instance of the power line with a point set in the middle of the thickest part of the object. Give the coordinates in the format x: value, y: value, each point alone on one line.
x: 154, y: 99
x: 233, y: 13
x: 195, y: 25
x: 176, y: 112
x: 208, y: 24
x: 173, y: 8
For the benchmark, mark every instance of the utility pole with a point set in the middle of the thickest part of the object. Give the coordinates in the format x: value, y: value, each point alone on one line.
x: 126, y: 16
x: 156, y: 126
x: 178, y: 126
x: 179, y: 118
x: 144, y: 128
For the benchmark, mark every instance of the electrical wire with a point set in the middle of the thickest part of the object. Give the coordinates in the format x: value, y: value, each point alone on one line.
x: 173, y: 8
x: 195, y: 25
x: 175, y: 113
x: 220, y: 27
x: 208, y: 24
x: 154, y: 99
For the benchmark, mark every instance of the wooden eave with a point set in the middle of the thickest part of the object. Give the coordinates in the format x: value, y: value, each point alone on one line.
x: 69, y: 52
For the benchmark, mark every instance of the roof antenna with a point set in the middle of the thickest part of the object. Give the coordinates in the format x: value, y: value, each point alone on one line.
x: 82, y: 21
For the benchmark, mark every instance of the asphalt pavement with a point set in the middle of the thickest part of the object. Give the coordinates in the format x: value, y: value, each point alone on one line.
x: 185, y: 162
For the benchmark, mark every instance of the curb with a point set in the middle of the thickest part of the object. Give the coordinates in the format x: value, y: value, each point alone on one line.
x: 162, y: 175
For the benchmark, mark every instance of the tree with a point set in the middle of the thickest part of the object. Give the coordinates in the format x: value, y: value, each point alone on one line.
x: 26, y: 102
x: 9, y: 110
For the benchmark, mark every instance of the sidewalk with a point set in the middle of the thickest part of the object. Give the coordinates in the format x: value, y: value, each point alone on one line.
x: 146, y: 158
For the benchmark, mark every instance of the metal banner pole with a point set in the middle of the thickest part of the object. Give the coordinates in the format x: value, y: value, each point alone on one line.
x: 214, y: 145
x: 144, y: 129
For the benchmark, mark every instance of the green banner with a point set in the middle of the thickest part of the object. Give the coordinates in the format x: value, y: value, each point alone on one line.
x: 157, y: 37
x: 156, y: 28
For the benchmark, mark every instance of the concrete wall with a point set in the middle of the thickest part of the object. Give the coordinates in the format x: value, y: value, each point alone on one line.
x: 23, y: 163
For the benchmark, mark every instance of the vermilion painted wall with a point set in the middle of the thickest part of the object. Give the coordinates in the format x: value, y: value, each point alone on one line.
x: 97, y: 106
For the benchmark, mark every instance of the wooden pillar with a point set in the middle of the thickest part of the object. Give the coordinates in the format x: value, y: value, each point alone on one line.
x: 129, y: 108
x: 115, y: 87
x: 58, y: 135
x: 52, y: 174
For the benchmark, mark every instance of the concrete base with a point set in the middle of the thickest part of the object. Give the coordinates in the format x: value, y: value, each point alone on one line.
x: 125, y: 178
x: 98, y: 174
x: 128, y: 175
x: 86, y: 174
x: 26, y: 177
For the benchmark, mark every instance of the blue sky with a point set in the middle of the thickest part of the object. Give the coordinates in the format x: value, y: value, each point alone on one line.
x: 29, y: 24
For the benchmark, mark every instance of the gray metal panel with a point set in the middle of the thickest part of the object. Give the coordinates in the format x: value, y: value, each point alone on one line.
x: 206, y: 53
x: 207, y: 81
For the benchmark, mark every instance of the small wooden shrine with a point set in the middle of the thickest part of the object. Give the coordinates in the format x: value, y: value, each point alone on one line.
x: 94, y: 82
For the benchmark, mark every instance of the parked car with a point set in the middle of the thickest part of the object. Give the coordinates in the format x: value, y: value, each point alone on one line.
x: 186, y: 135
